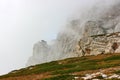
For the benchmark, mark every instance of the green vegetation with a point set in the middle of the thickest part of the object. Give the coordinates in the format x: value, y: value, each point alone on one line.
x: 112, y: 58
x: 117, y: 72
x: 63, y: 69
x: 61, y: 77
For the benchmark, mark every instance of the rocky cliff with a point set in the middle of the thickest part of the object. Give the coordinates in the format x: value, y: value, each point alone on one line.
x: 40, y: 50
x: 99, y: 44
x: 87, y: 45
x: 95, y: 31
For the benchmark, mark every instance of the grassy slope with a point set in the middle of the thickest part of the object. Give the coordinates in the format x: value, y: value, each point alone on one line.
x: 64, y: 69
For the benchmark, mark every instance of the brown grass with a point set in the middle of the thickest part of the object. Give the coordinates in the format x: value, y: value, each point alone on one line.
x: 30, y: 77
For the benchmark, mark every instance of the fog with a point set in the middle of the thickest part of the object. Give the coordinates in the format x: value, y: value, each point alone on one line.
x: 24, y: 22
x: 92, y: 18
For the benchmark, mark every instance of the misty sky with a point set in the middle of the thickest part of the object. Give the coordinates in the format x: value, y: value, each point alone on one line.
x: 24, y: 22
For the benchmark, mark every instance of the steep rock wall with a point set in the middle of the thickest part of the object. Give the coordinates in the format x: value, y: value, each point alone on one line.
x: 99, y: 44
x: 100, y: 19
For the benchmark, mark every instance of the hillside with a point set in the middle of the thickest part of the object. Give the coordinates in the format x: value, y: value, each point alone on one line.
x: 70, y: 69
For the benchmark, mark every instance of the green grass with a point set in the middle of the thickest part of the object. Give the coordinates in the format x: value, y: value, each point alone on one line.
x: 61, y: 77
x: 117, y: 72
x: 112, y: 58
x: 62, y: 69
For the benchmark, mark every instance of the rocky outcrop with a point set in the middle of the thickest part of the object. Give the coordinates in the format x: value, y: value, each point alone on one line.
x: 87, y: 45
x: 40, y: 50
x: 101, y: 74
x: 95, y: 31
x: 99, y: 44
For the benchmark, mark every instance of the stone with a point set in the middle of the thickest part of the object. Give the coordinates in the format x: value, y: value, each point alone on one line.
x: 95, y: 79
x: 104, y: 75
x: 40, y: 50
x: 76, y: 78
x: 113, y: 76
x: 100, y: 44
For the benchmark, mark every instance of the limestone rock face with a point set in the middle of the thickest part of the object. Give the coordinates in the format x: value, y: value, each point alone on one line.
x: 87, y: 45
x: 40, y: 50
x: 99, y: 44
x: 95, y: 31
